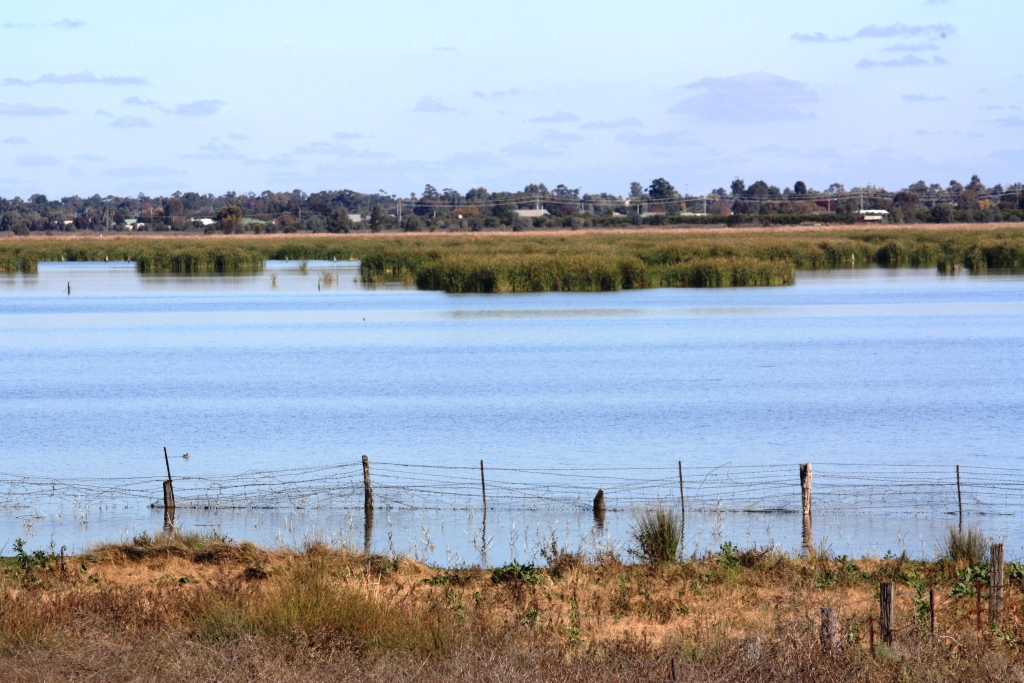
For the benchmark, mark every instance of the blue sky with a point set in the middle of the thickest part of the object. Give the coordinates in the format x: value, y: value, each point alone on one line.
x: 126, y: 97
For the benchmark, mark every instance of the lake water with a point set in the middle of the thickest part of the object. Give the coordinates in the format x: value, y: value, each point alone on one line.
x: 904, y: 368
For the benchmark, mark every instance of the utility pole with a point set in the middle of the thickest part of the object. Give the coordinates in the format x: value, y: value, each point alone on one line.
x: 399, y: 213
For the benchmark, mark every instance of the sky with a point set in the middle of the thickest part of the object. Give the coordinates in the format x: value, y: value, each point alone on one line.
x: 126, y: 97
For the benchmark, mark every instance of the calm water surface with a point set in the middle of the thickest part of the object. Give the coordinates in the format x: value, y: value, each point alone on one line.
x: 867, y: 366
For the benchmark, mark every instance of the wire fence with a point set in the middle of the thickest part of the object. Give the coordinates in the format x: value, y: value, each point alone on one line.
x: 724, y: 488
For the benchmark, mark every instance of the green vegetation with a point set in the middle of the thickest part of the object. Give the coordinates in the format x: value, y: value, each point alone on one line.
x: 533, y: 262
x: 656, y: 534
x: 966, y: 546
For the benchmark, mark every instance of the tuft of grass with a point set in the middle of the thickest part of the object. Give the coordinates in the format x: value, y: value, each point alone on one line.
x: 968, y: 546
x: 656, y: 533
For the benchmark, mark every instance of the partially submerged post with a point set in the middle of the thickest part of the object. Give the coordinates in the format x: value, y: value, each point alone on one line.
x: 682, y: 499
x: 168, y: 485
x: 885, y: 611
x: 367, y: 490
x: 483, y: 487
x: 599, y: 509
x: 995, y: 584
x: 959, y: 499
x: 807, y: 530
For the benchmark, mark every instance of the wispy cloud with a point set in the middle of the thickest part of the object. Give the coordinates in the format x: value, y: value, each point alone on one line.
x: 496, y: 94
x: 428, y: 105
x: 557, y: 117
x: 924, y: 98
x: 629, y: 122
x: 88, y: 157
x: 908, y: 60
x: 529, y: 149
x: 81, y: 78
x: 30, y: 110
x: 638, y: 139
x: 343, y: 135
x: 918, y: 47
x: 138, y: 102
x: 63, y: 23
x: 130, y: 122
x: 36, y: 160
x: 895, y: 30
x: 198, y: 108
x: 337, y: 149
x: 215, y: 151
x: 818, y: 37
x: 1011, y: 122
x: 747, y: 98
x: 141, y: 172
x: 15, y: 140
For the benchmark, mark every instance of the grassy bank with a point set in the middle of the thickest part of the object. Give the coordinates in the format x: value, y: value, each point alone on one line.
x: 201, y: 608
x: 590, y: 261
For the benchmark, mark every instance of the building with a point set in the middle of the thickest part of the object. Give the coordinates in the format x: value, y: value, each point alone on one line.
x: 530, y: 213
x: 873, y: 214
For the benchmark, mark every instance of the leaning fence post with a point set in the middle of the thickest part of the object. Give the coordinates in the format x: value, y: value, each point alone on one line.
x: 995, y: 584
x: 168, y: 485
x: 829, y: 632
x: 367, y: 490
x: 885, y: 611
x: 483, y: 486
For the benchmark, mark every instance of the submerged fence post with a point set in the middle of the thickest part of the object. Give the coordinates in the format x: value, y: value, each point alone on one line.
x: 959, y: 499
x: 483, y: 486
x: 885, y: 611
x: 168, y: 485
x: 367, y: 490
x: 995, y: 584
x: 805, y: 488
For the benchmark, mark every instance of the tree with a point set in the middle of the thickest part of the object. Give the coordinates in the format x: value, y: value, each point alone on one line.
x: 339, y: 221
x: 737, y: 187
x: 413, y: 224
x: 377, y: 218
x: 229, y: 217
x: 661, y: 189
x: 636, y: 189
x: 799, y: 188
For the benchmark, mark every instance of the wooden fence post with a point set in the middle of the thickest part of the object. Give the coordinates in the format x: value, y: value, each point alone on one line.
x: 829, y: 633
x: 931, y: 609
x: 959, y: 499
x: 483, y: 486
x: 805, y: 488
x: 367, y: 489
x: 682, y: 499
x: 600, y: 507
x: 871, y: 634
x: 885, y: 611
x: 977, y: 604
x: 995, y: 584
x: 168, y: 485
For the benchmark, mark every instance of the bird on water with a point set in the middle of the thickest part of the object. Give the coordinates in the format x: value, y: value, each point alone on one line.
x: 185, y: 456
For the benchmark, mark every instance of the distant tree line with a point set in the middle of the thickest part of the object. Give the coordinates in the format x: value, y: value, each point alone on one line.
x: 535, y: 206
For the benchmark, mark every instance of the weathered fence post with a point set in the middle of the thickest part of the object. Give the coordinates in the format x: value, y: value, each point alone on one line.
x: 995, y: 584
x: 885, y: 611
x: 168, y: 485
x: 682, y: 499
x: 959, y: 498
x: 931, y: 609
x: 805, y: 488
x: 599, y: 509
x: 483, y: 486
x: 871, y: 634
x: 367, y: 489
x: 829, y: 633
x: 672, y: 670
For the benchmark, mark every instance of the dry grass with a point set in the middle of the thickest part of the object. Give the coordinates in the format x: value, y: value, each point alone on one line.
x: 201, y: 608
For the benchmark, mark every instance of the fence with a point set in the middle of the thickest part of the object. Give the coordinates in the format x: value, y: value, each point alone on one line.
x: 724, y: 488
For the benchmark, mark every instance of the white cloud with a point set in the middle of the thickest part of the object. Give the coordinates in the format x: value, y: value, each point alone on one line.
x: 198, y: 108
x: 141, y: 172
x: 747, y: 98
x: 429, y: 105
x: 918, y: 47
x: 30, y: 110
x: 15, y: 140
x: 529, y: 149
x: 494, y: 94
x: 138, y: 101
x: 907, y: 60
x: 638, y: 139
x: 1011, y: 122
x: 36, y: 160
x: 81, y: 78
x: 894, y: 30
x: 629, y: 122
x: 557, y: 117
x: 559, y: 136
x: 924, y: 98
x: 342, y: 135
x: 214, y: 151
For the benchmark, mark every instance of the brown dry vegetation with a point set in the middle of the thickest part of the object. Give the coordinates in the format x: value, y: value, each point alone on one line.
x: 195, y: 608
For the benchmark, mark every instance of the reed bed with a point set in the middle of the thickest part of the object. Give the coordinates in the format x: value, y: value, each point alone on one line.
x: 203, y: 608
x: 590, y: 261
